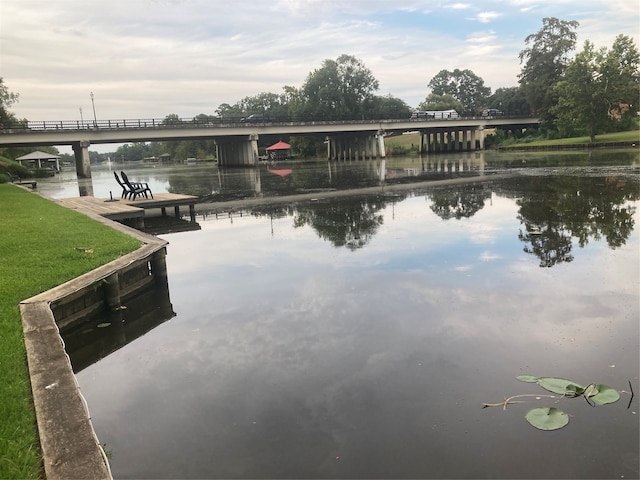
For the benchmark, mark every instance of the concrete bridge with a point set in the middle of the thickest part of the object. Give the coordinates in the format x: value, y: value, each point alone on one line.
x: 237, y: 142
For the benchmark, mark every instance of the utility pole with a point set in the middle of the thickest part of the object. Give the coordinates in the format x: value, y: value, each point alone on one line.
x: 95, y: 120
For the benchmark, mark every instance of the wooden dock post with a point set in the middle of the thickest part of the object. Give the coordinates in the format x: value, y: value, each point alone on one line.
x: 159, y: 266
x: 112, y: 291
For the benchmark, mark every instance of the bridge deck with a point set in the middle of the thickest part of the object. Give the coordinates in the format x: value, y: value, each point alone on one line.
x: 122, y: 209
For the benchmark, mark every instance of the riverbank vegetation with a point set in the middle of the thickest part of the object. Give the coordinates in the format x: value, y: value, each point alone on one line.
x: 43, y: 245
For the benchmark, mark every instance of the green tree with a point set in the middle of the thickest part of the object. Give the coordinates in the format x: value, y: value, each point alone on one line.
x: 7, y: 99
x: 387, y: 106
x: 441, y: 102
x: 512, y: 101
x: 228, y: 112
x: 271, y: 104
x: 544, y: 61
x: 132, y: 152
x: 598, y: 89
x: 294, y: 100
x: 339, y: 89
x: 172, y: 119
x: 464, y: 85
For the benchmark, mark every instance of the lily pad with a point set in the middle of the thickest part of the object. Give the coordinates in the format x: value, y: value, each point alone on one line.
x: 527, y: 378
x: 561, y: 386
x: 605, y: 395
x: 547, y: 418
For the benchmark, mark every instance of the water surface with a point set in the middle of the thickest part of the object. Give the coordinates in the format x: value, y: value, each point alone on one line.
x: 359, y: 337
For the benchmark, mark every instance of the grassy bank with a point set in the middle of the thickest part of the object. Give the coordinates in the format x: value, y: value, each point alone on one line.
x: 42, y: 245
x: 406, y: 144
x: 631, y: 136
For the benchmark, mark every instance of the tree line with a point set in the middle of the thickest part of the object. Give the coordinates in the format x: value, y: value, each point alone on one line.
x: 594, y: 91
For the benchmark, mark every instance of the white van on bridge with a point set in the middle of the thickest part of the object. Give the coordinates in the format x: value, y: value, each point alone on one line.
x: 435, y: 114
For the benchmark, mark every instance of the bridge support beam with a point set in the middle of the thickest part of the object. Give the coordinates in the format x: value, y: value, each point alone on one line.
x: 354, y: 147
x: 480, y: 131
x: 382, y: 151
x: 237, y: 152
x: 441, y: 140
x: 81, y: 153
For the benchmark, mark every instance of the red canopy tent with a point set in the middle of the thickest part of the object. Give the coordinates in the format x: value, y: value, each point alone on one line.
x: 278, y: 151
x: 278, y: 146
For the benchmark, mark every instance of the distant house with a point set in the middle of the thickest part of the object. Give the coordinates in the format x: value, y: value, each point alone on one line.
x: 41, y: 160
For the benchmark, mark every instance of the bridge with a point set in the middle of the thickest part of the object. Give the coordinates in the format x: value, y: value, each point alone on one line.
x: 237, y: 141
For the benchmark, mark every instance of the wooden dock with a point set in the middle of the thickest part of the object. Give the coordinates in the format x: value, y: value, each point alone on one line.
x: 125, y: 209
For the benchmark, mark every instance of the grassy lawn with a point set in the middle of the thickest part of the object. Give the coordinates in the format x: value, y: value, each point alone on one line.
x: 632, y: 136
x: 41, y: 245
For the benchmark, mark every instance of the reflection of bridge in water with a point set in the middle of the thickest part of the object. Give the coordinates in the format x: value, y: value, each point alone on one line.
x: 340, y: 175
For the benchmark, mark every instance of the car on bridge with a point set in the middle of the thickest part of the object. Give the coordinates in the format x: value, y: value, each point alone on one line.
x: 421, y: 114
x: 492, y: 112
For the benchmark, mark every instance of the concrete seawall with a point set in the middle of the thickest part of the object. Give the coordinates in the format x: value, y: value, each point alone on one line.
x: 70, y: 447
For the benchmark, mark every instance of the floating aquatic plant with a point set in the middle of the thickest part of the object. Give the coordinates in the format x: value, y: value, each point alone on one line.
x: 551, y: 418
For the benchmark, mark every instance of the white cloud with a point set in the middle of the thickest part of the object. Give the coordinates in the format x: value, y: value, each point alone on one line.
x: 486, y: 17
x: 146, y: 59
x: 460, y: 6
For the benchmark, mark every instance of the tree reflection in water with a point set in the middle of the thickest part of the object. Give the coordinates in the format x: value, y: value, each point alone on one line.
x: 350, y: 223
x: 461, y: 202
x: 554, y: 210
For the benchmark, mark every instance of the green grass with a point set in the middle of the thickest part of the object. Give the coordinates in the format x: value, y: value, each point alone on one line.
x: 42, y: 245
x: 631, y: 136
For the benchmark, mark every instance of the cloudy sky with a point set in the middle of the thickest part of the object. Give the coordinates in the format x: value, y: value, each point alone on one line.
x: 151, y: 58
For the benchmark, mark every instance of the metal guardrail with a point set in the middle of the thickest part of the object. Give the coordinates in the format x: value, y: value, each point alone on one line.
x: 151, y: 123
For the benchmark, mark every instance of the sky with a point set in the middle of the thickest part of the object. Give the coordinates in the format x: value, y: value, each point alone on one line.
x: 152, y: 58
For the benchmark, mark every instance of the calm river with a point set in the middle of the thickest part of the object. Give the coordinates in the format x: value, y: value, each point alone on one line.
x: 359, y: 336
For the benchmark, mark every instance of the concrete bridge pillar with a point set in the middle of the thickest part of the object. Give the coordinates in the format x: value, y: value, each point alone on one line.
x: 81, y: 153
x: 381, y: 149
x: 237, y: 152
x: 352, y: 147
x: 481, y: 135
x: 472, y: 145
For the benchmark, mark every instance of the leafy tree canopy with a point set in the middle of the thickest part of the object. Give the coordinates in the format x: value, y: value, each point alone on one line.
x: 463, y: 85
x: 512, y: 101
x: 388, y: 106
x: 599, y: 89
x: 441, y: 102
x: 544, y: 60
x: 7, y: 99
x: 339, y: 89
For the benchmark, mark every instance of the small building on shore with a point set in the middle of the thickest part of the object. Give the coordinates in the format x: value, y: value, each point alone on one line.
x: 42, y: 160
x: 278, y: 151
